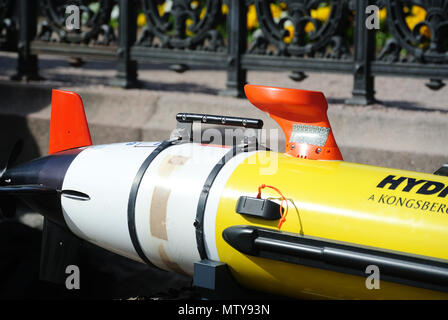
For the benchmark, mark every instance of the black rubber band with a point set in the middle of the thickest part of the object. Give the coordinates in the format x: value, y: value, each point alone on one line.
x: 199, y: 222
x: 133, y: 197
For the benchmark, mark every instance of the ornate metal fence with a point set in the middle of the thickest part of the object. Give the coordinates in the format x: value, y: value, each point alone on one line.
x: 288, y: 35
x: 8, y: 27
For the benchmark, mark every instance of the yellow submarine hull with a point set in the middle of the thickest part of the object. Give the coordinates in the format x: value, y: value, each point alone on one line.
x: 392, y: 210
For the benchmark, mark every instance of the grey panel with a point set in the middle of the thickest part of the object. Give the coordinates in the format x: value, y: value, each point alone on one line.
x: 314, y: 135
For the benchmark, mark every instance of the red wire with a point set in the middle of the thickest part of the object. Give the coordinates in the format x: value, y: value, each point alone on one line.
x: 283, y: 219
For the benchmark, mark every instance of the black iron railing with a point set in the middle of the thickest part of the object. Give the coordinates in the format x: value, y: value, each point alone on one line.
x: 289, y: 35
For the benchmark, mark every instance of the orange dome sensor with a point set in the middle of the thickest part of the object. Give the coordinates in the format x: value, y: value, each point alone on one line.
x: 302, y: 115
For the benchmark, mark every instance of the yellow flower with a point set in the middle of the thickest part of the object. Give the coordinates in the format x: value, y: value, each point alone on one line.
x: 383, y: 14
x: 188, y: 23
x: 252, y: 17
x: 321, y: 13
x: 224, y: 9
x: 309, y: 27
x: 290, y: 27
x: 426, y: 32
x: 418, y: 14
x: 194, y: 4
x: 141, y: 19
x: 411, y: 22
x: 161, y: 8
x: 276, y: 11
x: 289, y: 37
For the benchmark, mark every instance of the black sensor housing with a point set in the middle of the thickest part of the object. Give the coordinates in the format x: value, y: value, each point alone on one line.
x: 260, y: 208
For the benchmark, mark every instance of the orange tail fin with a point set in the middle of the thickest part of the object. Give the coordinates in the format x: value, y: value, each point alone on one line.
x: 302, y: 115
x: 68, y: 124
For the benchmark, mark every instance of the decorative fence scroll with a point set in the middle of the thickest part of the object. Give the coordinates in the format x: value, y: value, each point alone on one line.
x: 294, y: 35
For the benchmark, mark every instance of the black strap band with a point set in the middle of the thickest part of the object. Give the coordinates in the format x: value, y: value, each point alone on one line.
x: 133, y: 197
x: 199, y: 222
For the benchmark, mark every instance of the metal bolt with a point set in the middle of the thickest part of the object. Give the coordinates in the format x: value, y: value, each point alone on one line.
x: 318, y: 150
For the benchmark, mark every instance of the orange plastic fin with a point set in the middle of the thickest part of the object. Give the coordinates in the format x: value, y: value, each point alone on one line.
x: 68, y: 124
x: 302, y: 115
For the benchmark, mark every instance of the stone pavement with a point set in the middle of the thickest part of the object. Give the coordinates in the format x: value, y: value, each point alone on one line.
x: 406, y: 130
